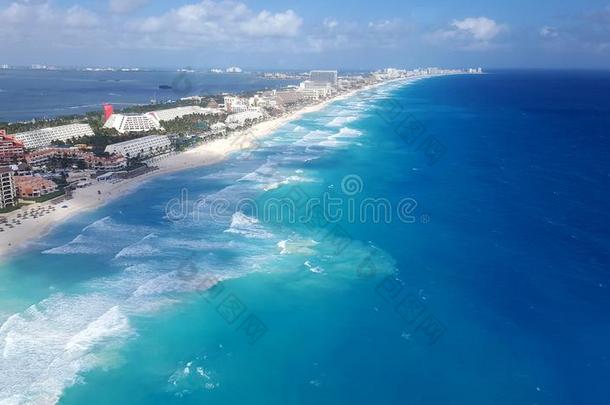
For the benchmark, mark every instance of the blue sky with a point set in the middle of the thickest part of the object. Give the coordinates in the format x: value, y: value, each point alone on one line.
x: 291, y: 34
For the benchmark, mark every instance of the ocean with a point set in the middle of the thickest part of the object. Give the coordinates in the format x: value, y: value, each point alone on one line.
x: 443, y: 241
x: 36, y: 94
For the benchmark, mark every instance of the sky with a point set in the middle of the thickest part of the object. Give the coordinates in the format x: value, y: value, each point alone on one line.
x: 290, y: 34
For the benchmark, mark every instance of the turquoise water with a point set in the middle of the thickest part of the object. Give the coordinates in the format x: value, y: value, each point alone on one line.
x: 458, y: 254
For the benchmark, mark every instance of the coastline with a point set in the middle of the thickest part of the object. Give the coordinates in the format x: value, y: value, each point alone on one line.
x: 99, y: 194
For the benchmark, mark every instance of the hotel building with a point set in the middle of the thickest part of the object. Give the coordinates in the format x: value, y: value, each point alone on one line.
x: 323, y: 77
x: 315, y: 90
x: 152, y: 120
x: 240, y: 119
x: 8, y: 193
x: 133, y: 123
x: 235, y: 104
x: 143, y: 147
x: 33, y: 187
x: 179, y: 112
x: 43, y: 156
x: 284, y: 97
x: 45, y: 136
x: 11, y: 150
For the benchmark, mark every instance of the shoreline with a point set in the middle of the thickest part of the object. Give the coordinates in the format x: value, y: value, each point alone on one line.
x: 99, y: 194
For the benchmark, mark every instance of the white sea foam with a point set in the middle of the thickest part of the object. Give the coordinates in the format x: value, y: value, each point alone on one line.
x: 46, y: 347
x: 341, y: 121
x: 297, y: 246
x: 346, y: 132
x: 184, y: 280
x: 241, y: 224
x: 288, y: 180
x: 331, y: 143
x: 143, y: 248
x: 224, y: 175
x: 263, y: 174
x: 313, y: 138
x: 101, y: 237
x: 192, y: 377
x: 312, y: 268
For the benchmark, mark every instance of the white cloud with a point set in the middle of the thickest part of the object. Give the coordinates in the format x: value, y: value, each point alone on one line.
x: 474, y: 33
x: 548, y: 32
x: 78, y: 17
x: 331, y: 23
x: 125, y: 6
x: 479, y: 28
x: 268, y: 24
x: 204, y: 24
x: 226, y: 19
x: 31, y: 17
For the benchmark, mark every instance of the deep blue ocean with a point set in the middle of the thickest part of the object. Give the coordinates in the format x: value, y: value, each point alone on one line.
x: 438, y: 242
x: 28, y: 94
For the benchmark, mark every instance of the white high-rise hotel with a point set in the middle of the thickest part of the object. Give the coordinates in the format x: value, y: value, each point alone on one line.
x: 143, y: 147
x: 45, y: 136
x: 8, y: 194
x: 322, y: 77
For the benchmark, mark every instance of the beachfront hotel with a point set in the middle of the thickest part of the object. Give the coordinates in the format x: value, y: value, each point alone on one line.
x: 323, y: 77
x: 171, y: 114
x: 8, y: 193
x: 143, y: 147
x: 11, y: 150
x: 123, y: 123
x: 149, y: 121
x: 240, y: 119
x: 44, y: 156
x: 44, y: 137
x: 33, y: 186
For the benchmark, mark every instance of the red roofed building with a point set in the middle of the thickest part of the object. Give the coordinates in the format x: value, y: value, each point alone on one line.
x: 33, y: 187
x: 11, y: 150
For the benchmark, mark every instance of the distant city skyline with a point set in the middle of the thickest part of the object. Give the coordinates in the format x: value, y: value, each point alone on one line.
x: 259, y: 35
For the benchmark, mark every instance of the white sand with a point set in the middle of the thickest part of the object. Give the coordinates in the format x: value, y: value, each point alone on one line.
x: 100, y: 193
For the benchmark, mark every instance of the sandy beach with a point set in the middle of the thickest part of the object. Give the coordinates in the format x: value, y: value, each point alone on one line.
x: 100, y: 193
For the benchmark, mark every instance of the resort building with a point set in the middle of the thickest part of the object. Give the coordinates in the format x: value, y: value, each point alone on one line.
x: 42, y: 157
x: 240, y: 119
x: 144, y: 147
x: 133, y: 123
x: 179, y: 112
x: 324, y: 77
x: 235, y: 104
x: 45, y: 136
x: 11, y: 150
x: 149, y: 121
x: 314, y: 90
x: 107, y: 164
x: 33, y: 187
x: 266, y: 99
x: 284, y: 97
x: 8, y: 193
x: 218, y: 129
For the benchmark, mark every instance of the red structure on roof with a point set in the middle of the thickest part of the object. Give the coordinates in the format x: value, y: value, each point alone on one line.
x: 108, y: 111
x: 11, y: 150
